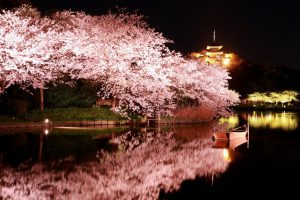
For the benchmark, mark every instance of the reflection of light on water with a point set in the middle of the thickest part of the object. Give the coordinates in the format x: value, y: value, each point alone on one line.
x: 232, y: 121
x: 285, y: 121
x: 226, y: 155
x: 146, y: 164
x: 46, y: 131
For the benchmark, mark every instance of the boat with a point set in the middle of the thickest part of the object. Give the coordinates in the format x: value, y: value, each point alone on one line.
x: 229, y: 140
x: 232, y: 134
x: 230, y: 144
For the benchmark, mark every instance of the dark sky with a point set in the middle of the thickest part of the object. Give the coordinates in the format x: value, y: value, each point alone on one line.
x: 265, y: 32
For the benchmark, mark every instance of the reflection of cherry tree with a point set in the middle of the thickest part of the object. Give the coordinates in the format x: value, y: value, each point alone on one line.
x: 145, y: 164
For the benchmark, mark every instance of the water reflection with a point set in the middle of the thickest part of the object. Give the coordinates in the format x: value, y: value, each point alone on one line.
x: 231, y: 121
x: 48, y: 145
x: 226, y: 155
x: 286, y: 120
x: 228, y: 143
x: 144, y: 164
x: 43, y: 134
x: 229, y: 146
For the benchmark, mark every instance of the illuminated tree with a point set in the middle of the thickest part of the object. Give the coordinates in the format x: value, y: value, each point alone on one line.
x: 288, y: 96
x: 274, y: 97
x: 137, y: 68
x: 120, y: 52
x: 126, y: 58
x: 256, y: 96
x: 34, y: 50
x: 25, y: 50
x: 205, y: 83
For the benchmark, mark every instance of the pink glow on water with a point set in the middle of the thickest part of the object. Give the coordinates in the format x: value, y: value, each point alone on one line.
x: 144, y: 165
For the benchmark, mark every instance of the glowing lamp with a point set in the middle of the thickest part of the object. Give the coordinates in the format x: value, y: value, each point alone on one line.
x: 226, y: 61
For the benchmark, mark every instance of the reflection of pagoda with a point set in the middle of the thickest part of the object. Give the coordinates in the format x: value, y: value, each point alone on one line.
x: 214, y: 55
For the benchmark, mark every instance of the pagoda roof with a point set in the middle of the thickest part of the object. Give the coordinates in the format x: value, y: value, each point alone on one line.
x: 214, y: 48
x: 214, y: 44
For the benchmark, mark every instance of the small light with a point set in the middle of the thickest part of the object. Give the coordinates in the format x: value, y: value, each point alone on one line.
x: 226, y: 61
x: 46, y: 120
x: 46, y: 131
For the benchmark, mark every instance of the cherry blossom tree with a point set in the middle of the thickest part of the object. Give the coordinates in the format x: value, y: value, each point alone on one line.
x: 34, y: 49
x: 126, y: 57
x: 207, y: 84
x: 136, y: 67
x: 120, y: 52
x: 26, y: 50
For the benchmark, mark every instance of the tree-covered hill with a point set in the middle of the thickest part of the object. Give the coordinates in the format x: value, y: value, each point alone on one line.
x: 249, y: 77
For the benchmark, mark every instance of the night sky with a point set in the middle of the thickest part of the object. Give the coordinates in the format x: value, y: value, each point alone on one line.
x: 265, y: 32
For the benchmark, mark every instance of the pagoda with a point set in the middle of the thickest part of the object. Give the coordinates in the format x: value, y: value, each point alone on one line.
x: 214, y: 55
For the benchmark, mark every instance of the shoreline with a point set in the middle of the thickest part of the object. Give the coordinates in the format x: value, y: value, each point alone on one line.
x: 265, y: 108
x: 91, y: 123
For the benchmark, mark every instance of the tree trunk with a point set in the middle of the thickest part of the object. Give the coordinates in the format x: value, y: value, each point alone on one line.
x: 158, y: 119
x: 144, y: 120
x: 42, y: 99
x: 114, y: 103
x: 158, y: 123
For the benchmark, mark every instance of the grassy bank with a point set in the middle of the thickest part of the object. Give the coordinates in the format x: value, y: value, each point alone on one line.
x: 184, y: 115
x: 64, y: 114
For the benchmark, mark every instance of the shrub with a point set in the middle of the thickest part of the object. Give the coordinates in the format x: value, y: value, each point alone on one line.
x: 83, y: 94
x: 199, y: 113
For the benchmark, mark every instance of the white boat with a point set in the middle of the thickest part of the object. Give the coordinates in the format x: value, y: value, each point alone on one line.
x: 230, y: 144
x: 239, y: 132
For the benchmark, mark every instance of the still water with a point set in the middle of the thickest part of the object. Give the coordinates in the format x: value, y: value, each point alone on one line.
x: 146, y: 163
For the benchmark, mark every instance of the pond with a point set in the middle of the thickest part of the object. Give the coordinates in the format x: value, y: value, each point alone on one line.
x: 166, y: 162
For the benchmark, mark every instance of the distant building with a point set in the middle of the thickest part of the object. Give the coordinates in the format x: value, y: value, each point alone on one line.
x: 213, y: 54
